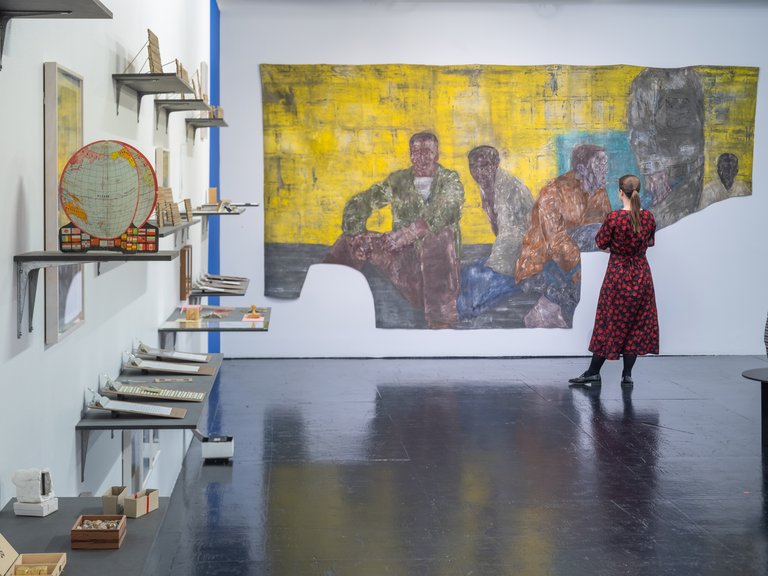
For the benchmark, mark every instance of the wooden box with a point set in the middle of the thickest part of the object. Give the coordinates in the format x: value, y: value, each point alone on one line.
x: 13, y: 564
x: 112, y: 500
x: 84, y: 539
x: 142, y: 503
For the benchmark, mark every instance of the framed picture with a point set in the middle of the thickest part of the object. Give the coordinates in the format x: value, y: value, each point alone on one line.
x: 63, y: 125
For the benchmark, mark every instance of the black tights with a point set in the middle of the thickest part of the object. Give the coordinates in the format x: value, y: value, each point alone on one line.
x: 597, y: 363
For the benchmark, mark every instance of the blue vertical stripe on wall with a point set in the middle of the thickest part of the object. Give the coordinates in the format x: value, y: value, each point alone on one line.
x: 214, y: 253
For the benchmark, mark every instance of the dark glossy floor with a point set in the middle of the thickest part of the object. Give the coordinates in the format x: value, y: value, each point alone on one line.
x: 475, y: 467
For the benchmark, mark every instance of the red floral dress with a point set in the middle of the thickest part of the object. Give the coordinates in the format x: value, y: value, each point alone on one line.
x: 626, y: 321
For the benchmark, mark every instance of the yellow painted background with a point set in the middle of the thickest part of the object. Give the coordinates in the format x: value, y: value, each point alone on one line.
x: 332, y: 131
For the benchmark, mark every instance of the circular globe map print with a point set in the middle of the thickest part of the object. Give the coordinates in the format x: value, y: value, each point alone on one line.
x: 106, y: 187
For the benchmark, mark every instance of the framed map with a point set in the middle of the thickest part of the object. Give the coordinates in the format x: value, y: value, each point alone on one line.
x: 63, y: 125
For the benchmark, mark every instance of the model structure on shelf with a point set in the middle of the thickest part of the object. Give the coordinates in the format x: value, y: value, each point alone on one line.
x: 156, y: 81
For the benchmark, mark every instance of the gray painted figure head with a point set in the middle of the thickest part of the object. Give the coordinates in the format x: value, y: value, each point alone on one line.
x: 727, y: 168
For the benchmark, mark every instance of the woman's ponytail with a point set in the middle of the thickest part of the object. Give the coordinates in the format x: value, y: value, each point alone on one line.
x: 634, y: 214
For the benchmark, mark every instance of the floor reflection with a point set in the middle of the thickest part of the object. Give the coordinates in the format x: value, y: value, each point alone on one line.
x: 487, y: 471
x: 486, y: 467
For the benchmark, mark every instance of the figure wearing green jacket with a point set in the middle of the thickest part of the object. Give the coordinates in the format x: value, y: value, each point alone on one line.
x: 421, y: 253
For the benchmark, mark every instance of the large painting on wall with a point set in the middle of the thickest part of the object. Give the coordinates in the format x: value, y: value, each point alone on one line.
x: 63, y: 124
x: 467, y: 194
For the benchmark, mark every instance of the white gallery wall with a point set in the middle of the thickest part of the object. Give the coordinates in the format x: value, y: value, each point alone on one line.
x: 42, y: 389
x: 709, y: 268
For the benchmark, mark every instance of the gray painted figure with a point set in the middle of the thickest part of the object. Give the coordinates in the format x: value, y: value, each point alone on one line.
x: 725, y: 186
x: 666, y: 132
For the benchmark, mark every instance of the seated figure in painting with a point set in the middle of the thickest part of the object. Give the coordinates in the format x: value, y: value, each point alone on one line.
x: 725, y: 186
x: 568, y: 209
x: 420, y: 256
x: 507, y: 202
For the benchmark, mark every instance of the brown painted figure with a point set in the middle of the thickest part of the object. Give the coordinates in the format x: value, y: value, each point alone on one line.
x: 572, y: 200
x: 420, y: 256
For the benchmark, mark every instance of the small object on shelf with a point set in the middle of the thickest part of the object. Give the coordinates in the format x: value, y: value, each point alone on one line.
x: 254, y: 314
x: 185, y: 271
x: 221, y: 207
x: 98, y: 532
x: 153, y: 52
x: 33, y: 485
x: 188, y: 209
x: 141, y: 503
x: 167, y: 211
x: 216, y: 112
x: 161, y: 353
x: 12, y: 563
x: 217, y: 447
x: 221, y: 286
x: 213, y: 196
x: 112, y: 500
x: 39, y: 509
x: 225, y: 278
x: 191, y: 312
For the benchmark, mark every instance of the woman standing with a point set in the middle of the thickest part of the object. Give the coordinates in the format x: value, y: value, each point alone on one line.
x: 626, y: 323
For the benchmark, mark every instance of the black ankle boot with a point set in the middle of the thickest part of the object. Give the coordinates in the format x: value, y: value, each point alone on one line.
x: 591, y: 379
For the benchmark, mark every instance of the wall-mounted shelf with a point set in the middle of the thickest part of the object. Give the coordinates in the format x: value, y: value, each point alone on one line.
x: 93, y: 420
x: 195, y: 123
x: 202, y: 212
x: 228, y: 320
x: 28, y: 267
x: 164, y: 231
x: 207, y: 212
x: 144, y: 84
x: 175, y: 105
x: 48, y: 9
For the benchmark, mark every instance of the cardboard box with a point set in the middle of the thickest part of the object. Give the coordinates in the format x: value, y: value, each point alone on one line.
x: 142, y: 503
x: 112, y: 500
x: 40, y: 509
x: 87, y: 539
x: 12, y: 563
